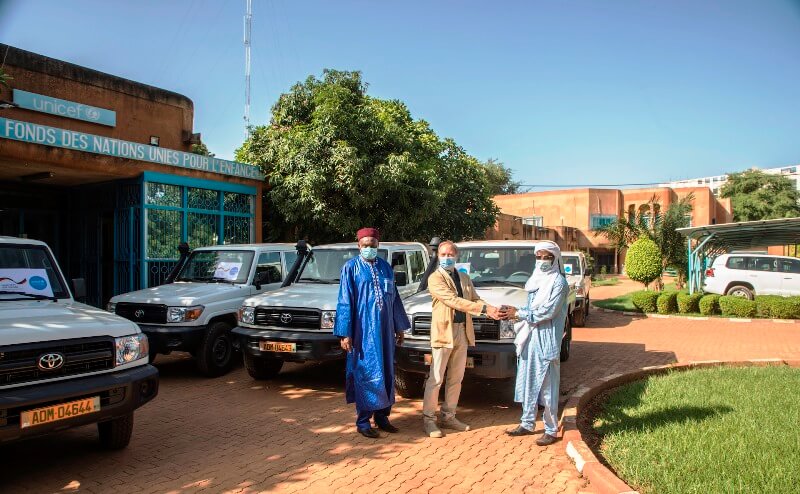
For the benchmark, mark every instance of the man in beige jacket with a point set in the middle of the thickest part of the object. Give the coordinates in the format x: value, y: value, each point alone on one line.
x: 455, y: 301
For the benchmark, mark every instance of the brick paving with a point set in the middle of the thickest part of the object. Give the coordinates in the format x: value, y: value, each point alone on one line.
x: 295, y: 434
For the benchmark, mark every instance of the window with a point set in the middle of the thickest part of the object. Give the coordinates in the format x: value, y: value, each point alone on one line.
x: 762, y: 264
x: 790, y: 266
x: 572, y: 265
x: 270, y: 264
x: 416, y: 261
x: 25, y: 257
x: 533, y: 221
x: 599, y: 220
x: 736, y: 263
x: 399, y: 264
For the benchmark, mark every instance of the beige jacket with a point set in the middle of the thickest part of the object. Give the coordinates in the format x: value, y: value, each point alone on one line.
x: 445, y: 303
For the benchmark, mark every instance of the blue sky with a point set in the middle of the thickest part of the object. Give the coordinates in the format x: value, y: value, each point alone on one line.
x: 563, y: 92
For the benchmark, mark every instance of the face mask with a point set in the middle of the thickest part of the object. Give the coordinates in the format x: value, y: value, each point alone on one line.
x: 369, y: 253
x: 544, y: 265
x: 447, y: 262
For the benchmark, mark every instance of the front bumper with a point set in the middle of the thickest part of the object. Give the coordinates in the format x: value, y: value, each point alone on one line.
x: 120, y: 393
x: 165, y: 339
x: 309, y: 346
x: 491, y: 360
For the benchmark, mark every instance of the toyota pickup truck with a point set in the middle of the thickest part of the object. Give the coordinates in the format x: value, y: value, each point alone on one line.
x: 578, y: 276
x: 295, y: 323
x: 63, y: 363
x: 499, y: 270
x: 196, y: 312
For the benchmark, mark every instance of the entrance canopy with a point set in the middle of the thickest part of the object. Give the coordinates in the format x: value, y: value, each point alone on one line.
x: 709, y: 241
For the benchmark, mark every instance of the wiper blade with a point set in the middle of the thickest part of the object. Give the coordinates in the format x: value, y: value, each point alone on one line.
x: 34, y: 296
x: 323, y: 281
x: 496, y: 282
x: 220, y: 280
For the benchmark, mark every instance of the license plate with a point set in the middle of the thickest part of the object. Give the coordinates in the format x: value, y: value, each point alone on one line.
x: 58, y: 412
x: 276, y: 346
x: 470, y: 361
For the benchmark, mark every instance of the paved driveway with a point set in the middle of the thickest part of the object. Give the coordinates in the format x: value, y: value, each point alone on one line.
x: 233, y: 434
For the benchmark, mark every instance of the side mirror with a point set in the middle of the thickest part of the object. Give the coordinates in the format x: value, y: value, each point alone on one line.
x: 79, y: 289
x: 260, y: 278
x: 401, y: 278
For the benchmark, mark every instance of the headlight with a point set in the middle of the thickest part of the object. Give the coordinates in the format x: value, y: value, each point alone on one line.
x: 184, y: 314
x: 130, y: 348
x: 247, y: 315
x: 328, y: 319
x: 411, y: 320
x: 507, y: 329
x: 112, y: 307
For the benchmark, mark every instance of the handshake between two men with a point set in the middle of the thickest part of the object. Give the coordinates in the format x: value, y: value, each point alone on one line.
x: 502, y: 313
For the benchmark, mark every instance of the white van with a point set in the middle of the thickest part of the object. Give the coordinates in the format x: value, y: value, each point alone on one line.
x: 295, y: 323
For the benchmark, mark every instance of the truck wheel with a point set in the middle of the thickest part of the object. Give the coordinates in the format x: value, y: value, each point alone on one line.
x: 409, y: 384
x: 116, y: 434
x: 580, y: 318
x: 740, y: 291
x: 215, y: 354
x: 261, y: 367
x: 566, y: 341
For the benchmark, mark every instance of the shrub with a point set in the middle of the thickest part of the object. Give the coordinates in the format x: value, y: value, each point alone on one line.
x: 643, y: 261
x: 667, y: 303
x: 603, y: 270
x: 645, y: 301
x: 709, y: 304
x: 689, y: 303
x: 737, y: 306
x: 778, y: 307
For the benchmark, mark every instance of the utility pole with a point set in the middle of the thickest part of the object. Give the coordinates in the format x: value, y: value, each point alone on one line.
x: 248, y: 21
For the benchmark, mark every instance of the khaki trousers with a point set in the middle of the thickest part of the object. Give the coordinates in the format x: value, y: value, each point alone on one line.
x: 454, y: 361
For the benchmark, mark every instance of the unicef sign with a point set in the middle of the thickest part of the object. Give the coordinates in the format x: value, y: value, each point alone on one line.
x: 64, y: 108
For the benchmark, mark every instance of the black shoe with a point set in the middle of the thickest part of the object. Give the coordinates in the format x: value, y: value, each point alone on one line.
x: 370, y: 433
x: 546, y: 440
x: 388, y: 428
x: 519, y: 431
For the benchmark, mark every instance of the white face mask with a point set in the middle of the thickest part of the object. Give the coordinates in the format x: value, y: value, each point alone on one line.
x: 544, y: 265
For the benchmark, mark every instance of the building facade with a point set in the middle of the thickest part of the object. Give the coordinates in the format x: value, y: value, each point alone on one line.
x: 100, y: 168
x: 716, y: 182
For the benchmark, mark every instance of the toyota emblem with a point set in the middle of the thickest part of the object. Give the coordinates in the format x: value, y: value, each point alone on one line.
x: 286, y: 318
x: 139, y: 313
x: 51, y: 361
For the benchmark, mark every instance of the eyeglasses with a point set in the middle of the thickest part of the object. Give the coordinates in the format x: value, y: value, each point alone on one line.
x: 546, y: 258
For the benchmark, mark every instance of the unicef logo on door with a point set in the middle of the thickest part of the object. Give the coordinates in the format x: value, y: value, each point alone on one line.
x: 38, y: 283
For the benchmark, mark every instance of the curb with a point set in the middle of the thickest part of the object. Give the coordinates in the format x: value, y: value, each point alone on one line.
x: 651, y: 315
x: 586, y: 463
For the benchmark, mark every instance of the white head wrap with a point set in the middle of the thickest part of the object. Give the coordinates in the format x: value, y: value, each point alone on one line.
x: 542, y: 282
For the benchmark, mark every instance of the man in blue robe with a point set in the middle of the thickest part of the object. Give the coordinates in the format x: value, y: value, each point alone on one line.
x: 369, y: 319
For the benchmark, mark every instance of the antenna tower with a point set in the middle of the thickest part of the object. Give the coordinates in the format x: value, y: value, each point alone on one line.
x: 248, y: 21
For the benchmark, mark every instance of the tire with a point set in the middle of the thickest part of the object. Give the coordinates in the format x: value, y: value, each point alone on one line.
x: 409, y: 384
x: 586, y: 310
x: 741, y: 291
x: 215, y: 354
x: 580, y: 318
x: 116, y: 434
x: 151, y: 357
x: 262, y: 367
x: 566, y: 341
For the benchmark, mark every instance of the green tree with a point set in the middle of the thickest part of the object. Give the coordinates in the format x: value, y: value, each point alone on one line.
x: 620, y: 233
x: 337, y: 159
x: 4, y: 78
x: 201, y: 149
x: 500, y: 178
x: 756, y: 195
x: 643, y: 261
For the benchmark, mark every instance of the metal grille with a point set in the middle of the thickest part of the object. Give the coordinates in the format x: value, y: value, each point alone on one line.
x: 203, y: 199
x: 157, y: 271
x: 237, y: 230
x: 238, y: 203
x: 163, y: 233
x: 19, y: 362
x: 485, y: 328
x: 127, y: 243
x: 150, y: 313
x: 203, y: 230
x: 163, y: 195
x: 288, y: 318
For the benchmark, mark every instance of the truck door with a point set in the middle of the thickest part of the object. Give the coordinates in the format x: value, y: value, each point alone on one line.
x: 790, y: 272
x: 269, y: 272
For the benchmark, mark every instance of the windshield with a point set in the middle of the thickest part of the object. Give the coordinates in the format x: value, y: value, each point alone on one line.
x: 217, y: 266
x: 325, y: 265
x: 28, y: 271
x: 497, y: 266
x: 572, y: 265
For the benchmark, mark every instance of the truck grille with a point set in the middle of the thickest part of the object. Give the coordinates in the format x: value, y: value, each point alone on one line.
x: 143, y: 313
x: 19, y: 363
x: 286, y: 317
x: 485, y: 327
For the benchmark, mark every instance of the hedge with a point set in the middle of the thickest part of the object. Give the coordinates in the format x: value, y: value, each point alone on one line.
x: 709, y: 304
x: 645, y: 301
x: 775, y: 306
x: 689, y: 303
x: 667, y: 303
x: 732, y: 306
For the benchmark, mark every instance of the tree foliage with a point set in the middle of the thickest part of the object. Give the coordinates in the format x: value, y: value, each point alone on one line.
x: 643, y: 261
x: 337, y: 159
x: 4, y: 78
x: 756, y: 195
x: 500, y: 178
x: 201, y: 149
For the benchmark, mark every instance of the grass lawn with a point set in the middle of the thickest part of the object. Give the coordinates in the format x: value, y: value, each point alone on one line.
x: 714, y: 430
x: 623, y: 302
x: 606, y: 282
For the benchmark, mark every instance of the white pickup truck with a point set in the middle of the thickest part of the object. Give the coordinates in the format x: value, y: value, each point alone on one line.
x: 196, y: 312
x: 499, y: 270
x: 295, y: 323
x: 62, y: 363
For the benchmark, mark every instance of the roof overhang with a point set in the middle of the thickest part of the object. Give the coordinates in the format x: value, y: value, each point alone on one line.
x: 745, y: 235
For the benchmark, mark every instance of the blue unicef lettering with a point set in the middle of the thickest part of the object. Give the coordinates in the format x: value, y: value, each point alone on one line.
x: 234, y: 271
x: 38, y: 283
x: 64, y: 108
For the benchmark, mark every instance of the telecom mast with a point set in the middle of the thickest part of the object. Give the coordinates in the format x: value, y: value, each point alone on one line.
x: 248, y: 20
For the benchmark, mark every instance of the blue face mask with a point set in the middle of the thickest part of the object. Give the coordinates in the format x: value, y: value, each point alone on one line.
x: 369, y: 253
x: 447, y: 262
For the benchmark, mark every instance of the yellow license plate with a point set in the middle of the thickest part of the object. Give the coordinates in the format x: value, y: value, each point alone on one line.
x: 58, y: 412
x: 470, y: 361
x: 275, y: 346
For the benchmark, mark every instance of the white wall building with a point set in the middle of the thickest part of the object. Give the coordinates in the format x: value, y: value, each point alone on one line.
x: 715, y: 182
